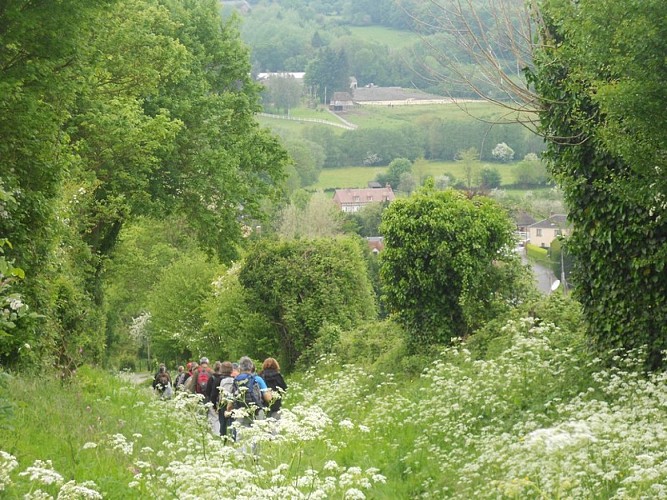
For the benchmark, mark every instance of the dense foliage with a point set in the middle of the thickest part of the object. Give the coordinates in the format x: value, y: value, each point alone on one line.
x: 110, y: 110
x: 433, y: 139
x: 535, y: 416
x: 449, y: 264
x: 598, y: 72
x: 302, y: 285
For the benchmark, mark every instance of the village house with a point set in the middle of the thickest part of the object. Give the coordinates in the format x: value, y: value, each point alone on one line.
x: 353, y: 199
x: 375, y: 243
x: 542, y: 233
x: 522, y: 221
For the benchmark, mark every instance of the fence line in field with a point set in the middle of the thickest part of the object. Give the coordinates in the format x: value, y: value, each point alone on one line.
x: 347, y: 125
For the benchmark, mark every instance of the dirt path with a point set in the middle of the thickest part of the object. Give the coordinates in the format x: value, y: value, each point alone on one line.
x: 136, y: 378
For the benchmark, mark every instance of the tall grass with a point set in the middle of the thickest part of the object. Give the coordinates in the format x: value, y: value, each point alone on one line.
x: 535, y: 418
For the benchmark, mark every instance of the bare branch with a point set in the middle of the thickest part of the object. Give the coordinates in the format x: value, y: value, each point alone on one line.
x: 484, y: 48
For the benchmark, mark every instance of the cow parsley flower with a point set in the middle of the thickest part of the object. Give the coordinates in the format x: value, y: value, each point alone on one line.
x: 346, y: 424
x: 7, y: 464
x: 73, y: 491
x: 42, y: 472
x: 354, y: 494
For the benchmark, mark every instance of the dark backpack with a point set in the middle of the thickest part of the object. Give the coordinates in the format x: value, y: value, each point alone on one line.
x: 247, y: 394
x: 202, y: 380
x: 163, y: 379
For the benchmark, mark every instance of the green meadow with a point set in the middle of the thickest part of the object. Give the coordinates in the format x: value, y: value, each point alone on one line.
x: 397, y: 116
x: 332, y: 178
x: 396, y: 39
x: 371, y: 116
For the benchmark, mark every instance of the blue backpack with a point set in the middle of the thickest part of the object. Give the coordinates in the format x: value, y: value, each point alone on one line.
x: 247, y: 394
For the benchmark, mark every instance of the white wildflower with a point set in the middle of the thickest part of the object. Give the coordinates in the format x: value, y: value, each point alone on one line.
x: 346, y: 424
x: 354, y: 494
x: 73, y: 491
x: 7, y: 464
x: 42, y: 472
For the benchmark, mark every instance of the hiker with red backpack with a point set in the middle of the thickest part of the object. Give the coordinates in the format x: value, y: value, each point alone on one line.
x: 201, y: 376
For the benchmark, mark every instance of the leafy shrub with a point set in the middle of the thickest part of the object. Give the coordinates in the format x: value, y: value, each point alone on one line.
x: 538, y: 254
x: 374, y: 344
x: 127, y: 363
x: 299, y: 286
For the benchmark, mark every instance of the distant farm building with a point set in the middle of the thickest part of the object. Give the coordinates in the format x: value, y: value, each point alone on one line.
x: 375, y: 243
x: 297, y: 75
x: 341, y: 101
x: 394, y: 96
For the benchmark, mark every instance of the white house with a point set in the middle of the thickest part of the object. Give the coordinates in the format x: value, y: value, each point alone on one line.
x: 542, y: 233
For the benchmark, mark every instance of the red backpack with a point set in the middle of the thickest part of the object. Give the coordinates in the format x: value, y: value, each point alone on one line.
x: 202, y: 380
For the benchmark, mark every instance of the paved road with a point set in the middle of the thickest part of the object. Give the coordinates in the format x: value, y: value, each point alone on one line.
x: 544, y: 277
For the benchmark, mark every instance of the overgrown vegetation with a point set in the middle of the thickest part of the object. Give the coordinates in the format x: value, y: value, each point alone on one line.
x: 527, y: 414
x: 599, y: 90
x: 146, y: 207
x: 449, y: 265
x: 121, y: 127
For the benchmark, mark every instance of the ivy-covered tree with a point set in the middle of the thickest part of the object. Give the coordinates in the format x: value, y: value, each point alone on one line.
x: 300, y: 286
x: 448, y: 264
x: 600, y: 73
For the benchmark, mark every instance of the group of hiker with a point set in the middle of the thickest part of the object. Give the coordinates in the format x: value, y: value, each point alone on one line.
x: 235, y: 390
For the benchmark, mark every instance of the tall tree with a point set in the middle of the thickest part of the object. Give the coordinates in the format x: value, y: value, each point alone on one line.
x: 328, y: 73
x: 223, y: 163
x: 110, y: 110
x: 40, y: 61
x: 284, y: 92
x: 448, y: 264
x: 600, y: 72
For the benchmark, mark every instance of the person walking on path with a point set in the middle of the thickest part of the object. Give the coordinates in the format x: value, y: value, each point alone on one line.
x: 162, y: 382
x: 221, y: 395
x: 212, y: 394
x: 274, y: 381
x: 250, y: 396
x: 181, y: 378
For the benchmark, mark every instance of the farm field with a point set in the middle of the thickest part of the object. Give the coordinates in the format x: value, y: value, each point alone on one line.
x: 334, y: 178
x: 396, y: 39
x: 397, y: 116
x: 370, y: 116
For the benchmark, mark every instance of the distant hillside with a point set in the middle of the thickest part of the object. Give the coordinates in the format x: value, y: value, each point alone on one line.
x: 380, y: 41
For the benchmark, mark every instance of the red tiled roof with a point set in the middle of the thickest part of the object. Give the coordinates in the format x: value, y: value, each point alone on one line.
x: 363, y: 195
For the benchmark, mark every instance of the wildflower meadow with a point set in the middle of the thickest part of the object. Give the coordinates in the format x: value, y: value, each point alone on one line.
x: 537, y: 417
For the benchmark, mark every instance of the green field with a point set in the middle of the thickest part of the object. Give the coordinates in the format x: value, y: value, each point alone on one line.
x: 355, y: 177
x: 395, y: 116
x: 395, y: 39
x: 332, y: 178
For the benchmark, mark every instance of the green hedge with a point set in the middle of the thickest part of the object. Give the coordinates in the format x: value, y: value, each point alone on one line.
x: 538, y: 254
